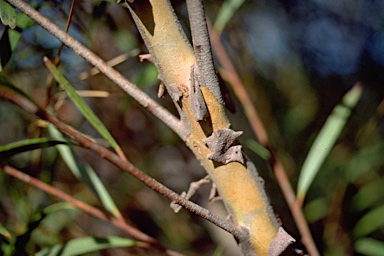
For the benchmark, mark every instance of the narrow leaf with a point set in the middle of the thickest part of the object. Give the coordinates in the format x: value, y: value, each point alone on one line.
x: 4, y: 232
x: 367, y: 158
x: 370, y: 222
x: 226, y: 12
x: 369, y: 195
x: 58, y: 207
x: 258, y: 149
x: 84, y: 245
x: 7, y: 14
x: 86, y: 174
x: 326, y: 139
x: 14, y: 148
x: 81, y: 105
x: 369, y: 247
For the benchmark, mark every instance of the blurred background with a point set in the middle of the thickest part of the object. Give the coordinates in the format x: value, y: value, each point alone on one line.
x: 296, y: 59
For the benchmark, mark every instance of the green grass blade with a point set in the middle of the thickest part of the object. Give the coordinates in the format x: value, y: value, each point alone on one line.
x: 86, y: 174
x: 226, y: 12
x: 11, y: 149
x: 83, y: 245
x: 81, y: 105
x: 325, y: 140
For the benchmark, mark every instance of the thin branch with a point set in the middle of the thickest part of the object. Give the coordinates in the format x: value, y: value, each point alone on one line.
x: 141, y: 97
x: 202, y: 48
x: 125, y: 165
x: 120, y: 223
x: 258, y: 128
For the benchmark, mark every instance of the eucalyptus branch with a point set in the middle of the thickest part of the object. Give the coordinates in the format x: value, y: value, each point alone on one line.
x: 141, y: 97
x: 229, y: 73
x: 202, y: 48
x: 85, y: 142
x: 120, y: 223
x: 125, y: 165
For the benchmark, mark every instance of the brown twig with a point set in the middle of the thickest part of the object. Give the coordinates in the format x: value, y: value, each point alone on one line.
x: 85, y: 142
x: 57, y: 58
x: 141, y: 97
x: 258, y: 128
x: 120, y: 223
x: 125, y: 165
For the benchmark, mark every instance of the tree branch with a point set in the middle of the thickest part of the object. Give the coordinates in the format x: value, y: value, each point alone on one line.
x: 202, y: 48
x: 230, y: 74
x: 141, y: 97
x: 120, y: 223
x: 125, y: 165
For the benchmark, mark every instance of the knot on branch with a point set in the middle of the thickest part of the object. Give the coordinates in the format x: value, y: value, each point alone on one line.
x: 221, y: 145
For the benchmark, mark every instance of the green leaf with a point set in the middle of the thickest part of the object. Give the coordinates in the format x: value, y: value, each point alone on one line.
x: 7, y: 14
x: 257, y: 148
x: 366, y: 159
x: 226, y: 12
x: 58, y: 207
x: 84, y: 245
x: 369, y: 195
x: 369, y: 247
x: 23, y: 21
x: 81, y: 105
x: 316, y: 209
x: 14, y: 148
x: 4, y: 232
x: 326, y: 139
x: 86, y: 174
x: 370, y: 222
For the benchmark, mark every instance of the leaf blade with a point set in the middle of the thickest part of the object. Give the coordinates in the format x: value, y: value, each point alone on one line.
x: 80, y: 246
x: 7, y: 14
x: 11, y: 149
x: 370, y: 222
x: 326, y: 139
x: 81, y: 105
x: 226, y: 12
x: 86, y: 174
x: 369, y: 247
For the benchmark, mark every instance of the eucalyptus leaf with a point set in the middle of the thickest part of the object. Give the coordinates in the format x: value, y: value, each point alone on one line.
x: 226, y: 12
x: 85, y: 110
x: 7, y: 14
x: 4, y: 232
x: 258, y: 149
x: 18, y: 147
x: 86, y: 174
x: 369, y: 247
x: 84, y: 245
x: 326, y: 139
x: 370, y: 222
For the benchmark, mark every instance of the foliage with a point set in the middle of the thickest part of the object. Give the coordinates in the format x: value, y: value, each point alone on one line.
x: 296, y: 91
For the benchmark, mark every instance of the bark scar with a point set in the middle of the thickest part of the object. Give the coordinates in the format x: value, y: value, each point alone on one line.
x: 221, y: 145
x: 198, y: 106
